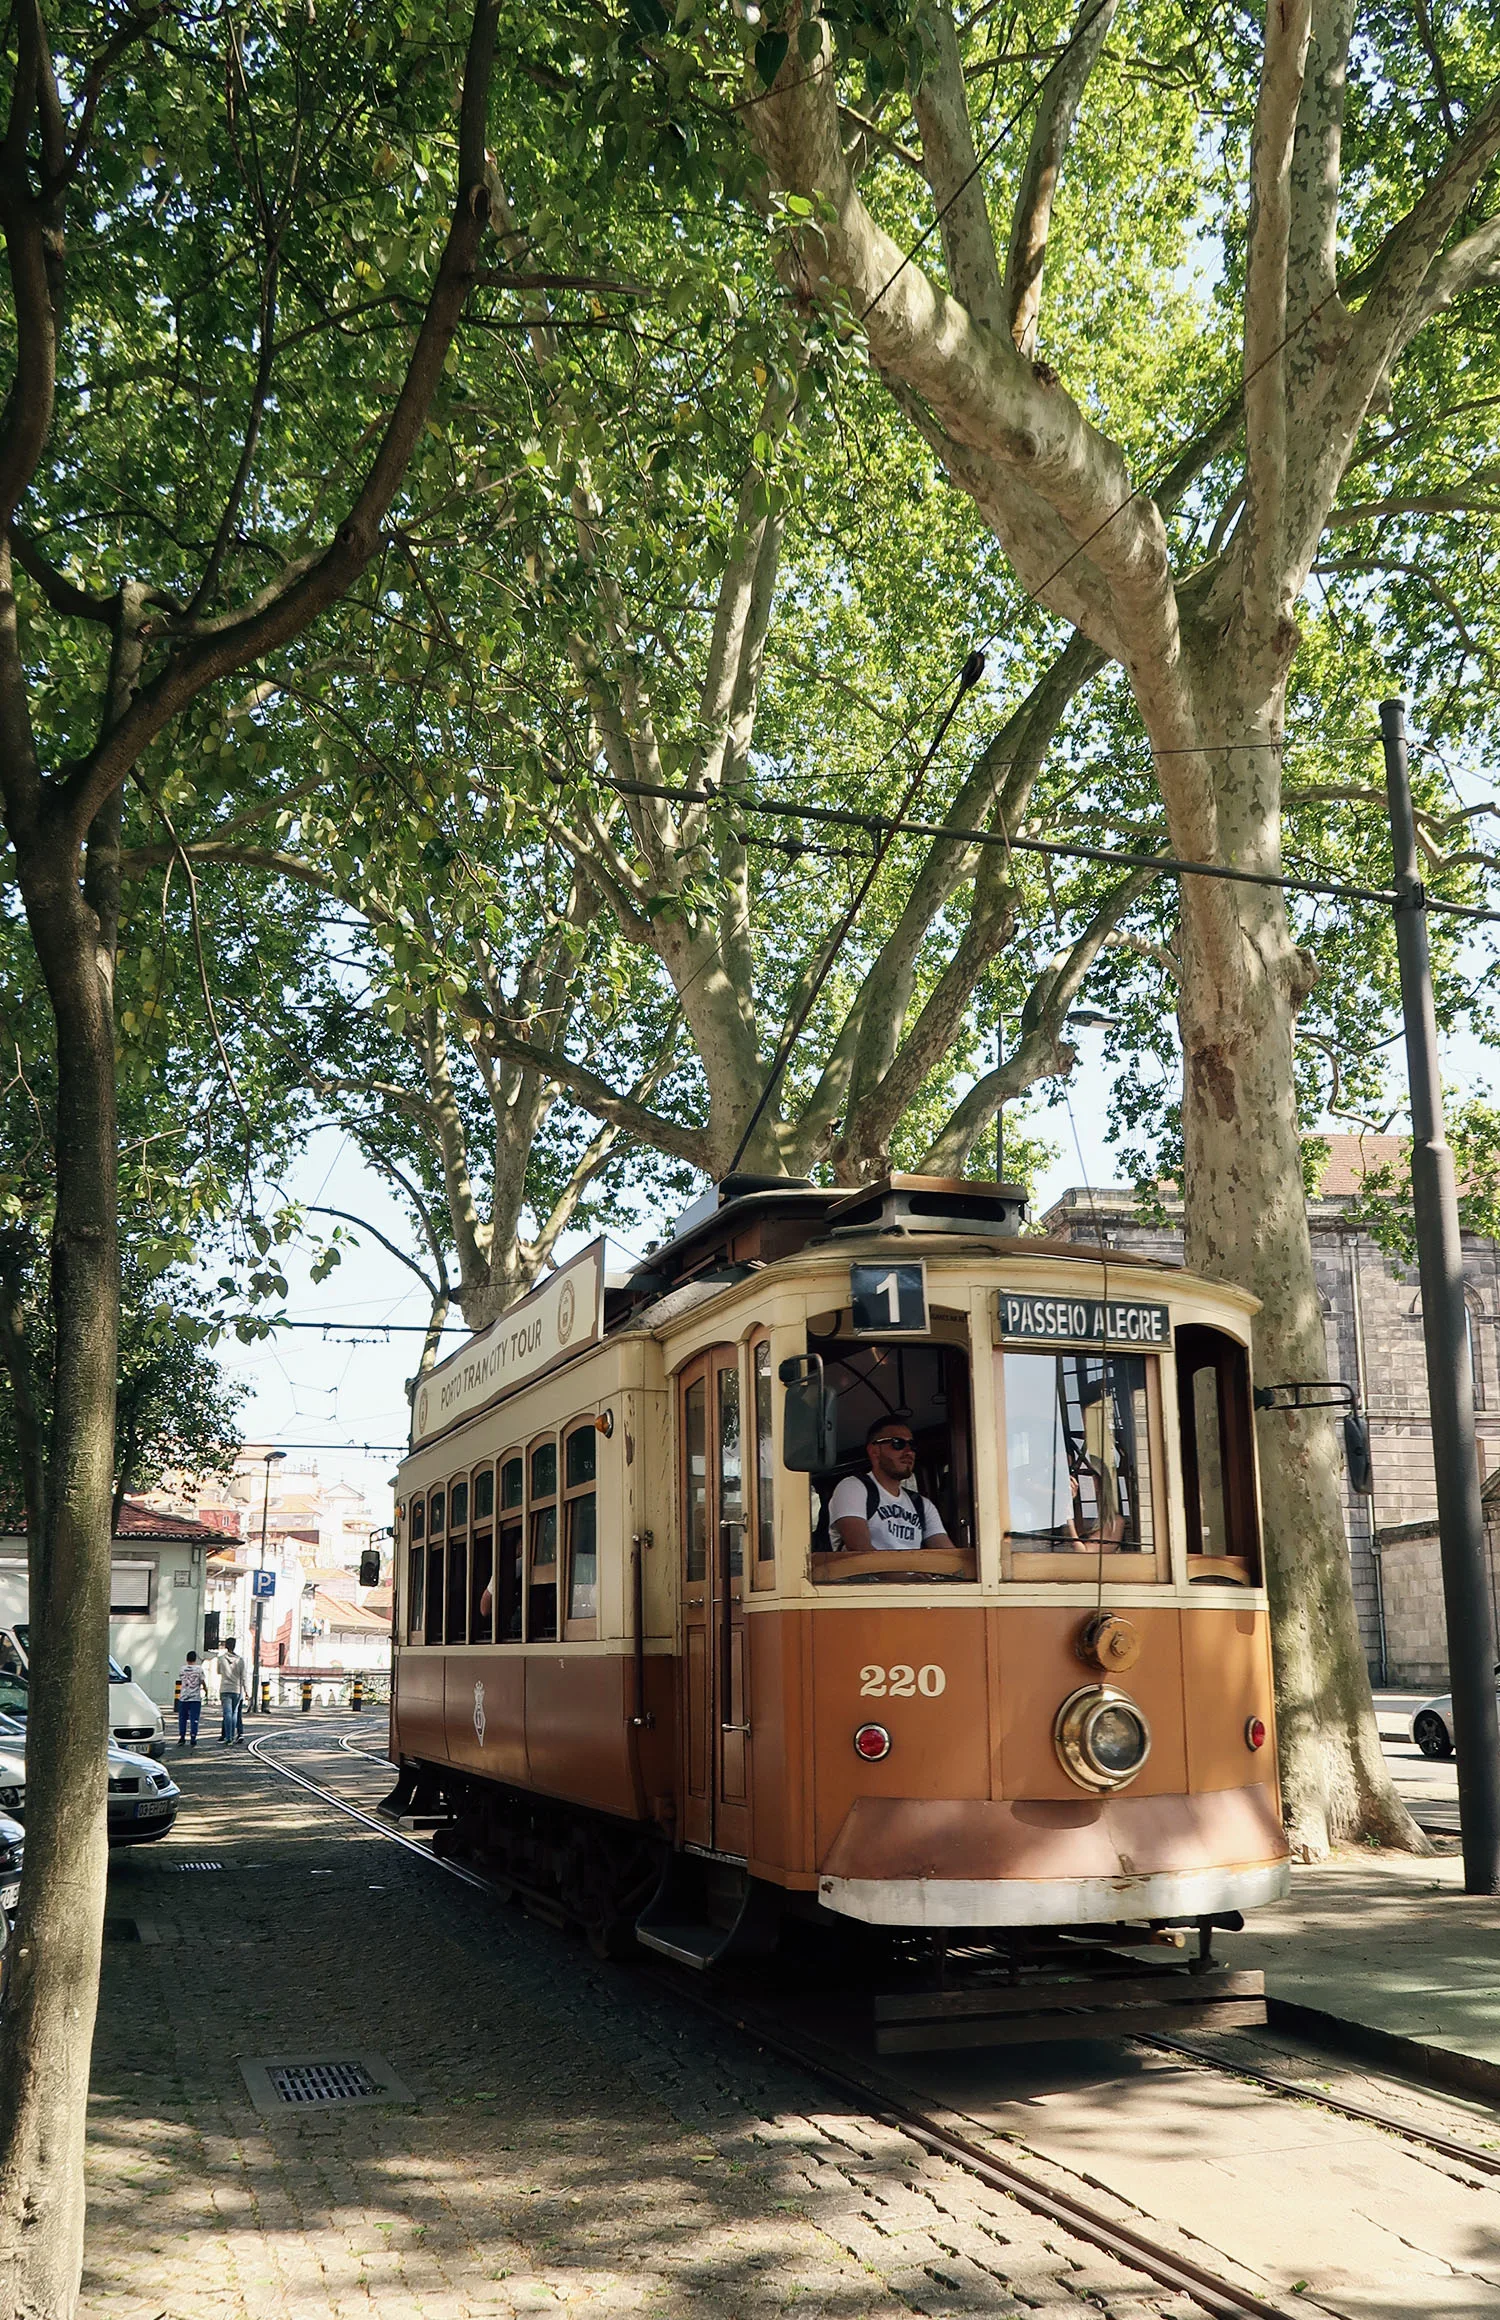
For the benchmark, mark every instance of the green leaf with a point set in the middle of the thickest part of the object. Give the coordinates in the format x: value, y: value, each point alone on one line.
x: 770, y: 55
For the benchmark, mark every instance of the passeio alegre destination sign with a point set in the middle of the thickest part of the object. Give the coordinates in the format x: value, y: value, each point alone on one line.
x: 564, y: 1313
x: 1029, y: 1320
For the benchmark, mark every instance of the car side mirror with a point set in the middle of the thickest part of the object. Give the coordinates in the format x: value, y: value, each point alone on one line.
x: 129, y: 1678
x: 810, y: 1429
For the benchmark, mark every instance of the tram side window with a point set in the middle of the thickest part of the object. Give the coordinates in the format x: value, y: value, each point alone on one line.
x: 765, y: 1468
x: 433, y: 1631
x: 482, y: 1559
x: 579, y: 1500
x: 1078, y: 1430
x: 1218, y: 1465
x: 508, y: 1622
x: 456, y: 1621
x: 541, y: 1592
x: 695, y: 1428
x: 416, y: 1592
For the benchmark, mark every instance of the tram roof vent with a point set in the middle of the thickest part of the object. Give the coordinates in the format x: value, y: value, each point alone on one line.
x: 936, y: 1204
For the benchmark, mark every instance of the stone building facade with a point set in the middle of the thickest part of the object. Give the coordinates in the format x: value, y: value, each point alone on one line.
x: 1372, y: 1316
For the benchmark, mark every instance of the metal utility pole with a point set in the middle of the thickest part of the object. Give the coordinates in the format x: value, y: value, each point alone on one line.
x: 1450, y: 1381
x: 273, y: 1458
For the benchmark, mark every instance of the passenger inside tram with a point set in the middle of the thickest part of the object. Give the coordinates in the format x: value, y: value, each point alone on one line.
x: 903, y: 1430
x: 879, y: 1509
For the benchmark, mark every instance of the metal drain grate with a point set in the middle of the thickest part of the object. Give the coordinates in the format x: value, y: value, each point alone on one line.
x: 291, y: 2085
x: 321, y: 2082
x: 180, y: 1866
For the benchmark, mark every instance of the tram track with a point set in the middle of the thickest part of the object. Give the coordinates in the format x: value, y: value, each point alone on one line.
x: 878, y: 2098
x: 1486, y: 2163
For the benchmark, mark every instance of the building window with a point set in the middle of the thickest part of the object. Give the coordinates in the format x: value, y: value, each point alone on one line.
x: 582, y: 1531
x: 418, y: 1518
x: 130, y: 1590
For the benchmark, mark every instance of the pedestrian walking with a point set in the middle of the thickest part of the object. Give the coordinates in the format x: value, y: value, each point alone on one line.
x: 230, y: 1670
x: 189, y: 1701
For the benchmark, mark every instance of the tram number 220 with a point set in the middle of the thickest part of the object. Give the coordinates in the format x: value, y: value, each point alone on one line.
x: 901, y: 1683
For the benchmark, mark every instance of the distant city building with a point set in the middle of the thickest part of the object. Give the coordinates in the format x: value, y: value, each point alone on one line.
x: 321, y: 1617
x: 1372, y: 1318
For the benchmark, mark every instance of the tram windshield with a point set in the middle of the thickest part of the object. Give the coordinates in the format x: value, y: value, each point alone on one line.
x: 1078, y: 1453
x: 925, y: 1389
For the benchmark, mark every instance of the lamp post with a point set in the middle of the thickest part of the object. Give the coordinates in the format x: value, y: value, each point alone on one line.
x: 273, y: 1458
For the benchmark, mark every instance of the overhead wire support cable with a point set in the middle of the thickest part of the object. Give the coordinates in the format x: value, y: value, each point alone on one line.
x: 1169, y: 865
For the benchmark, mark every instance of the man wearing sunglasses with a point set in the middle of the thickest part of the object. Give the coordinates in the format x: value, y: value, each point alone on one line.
x: 879, y: 1509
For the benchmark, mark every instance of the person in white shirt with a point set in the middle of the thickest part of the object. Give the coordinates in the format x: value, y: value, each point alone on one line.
x: 230, y: 1670
x: 189, y: 1700
x: 879, y: 1509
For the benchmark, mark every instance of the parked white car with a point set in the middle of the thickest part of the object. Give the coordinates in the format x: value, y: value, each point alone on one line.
x: 12, y: 1851
x: 1432, y: 1726
x: 143, y: 1797
x: 134, y: 1718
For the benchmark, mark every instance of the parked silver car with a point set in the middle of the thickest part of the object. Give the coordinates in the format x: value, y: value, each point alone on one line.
x: 143, y: 1797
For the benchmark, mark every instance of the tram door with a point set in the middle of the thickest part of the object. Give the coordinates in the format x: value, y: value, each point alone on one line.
x: 711, y: 1452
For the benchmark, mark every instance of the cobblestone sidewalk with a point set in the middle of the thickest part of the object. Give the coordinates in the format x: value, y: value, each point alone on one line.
x: 574, y: 2146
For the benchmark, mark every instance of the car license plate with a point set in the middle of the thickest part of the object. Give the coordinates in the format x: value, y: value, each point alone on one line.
x: 10, y: 1896
x: 153, y: 1810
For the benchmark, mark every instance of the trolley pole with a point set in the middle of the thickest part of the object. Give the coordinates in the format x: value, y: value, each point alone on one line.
x: 1450, y: 1383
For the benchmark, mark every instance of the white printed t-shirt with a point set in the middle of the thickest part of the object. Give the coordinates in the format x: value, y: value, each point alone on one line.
x: 191, y: 1680
x: 894, y: 1522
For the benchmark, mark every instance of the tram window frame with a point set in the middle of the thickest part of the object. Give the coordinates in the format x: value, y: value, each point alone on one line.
x: 873, y: 1371
x: 581, y: 1627
x: 760, y: 1463
x: 456, y: 1572
x: 432, y: 1631
x: 510, y: 1548
x: 1084, y: 1563
x: 416, y: 1590
x: 541, y: 1578
x: 1206, y: 1352
x: 482, y: 1554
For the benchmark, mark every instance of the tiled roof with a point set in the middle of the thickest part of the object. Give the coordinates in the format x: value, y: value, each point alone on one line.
x: 1352, y: 1158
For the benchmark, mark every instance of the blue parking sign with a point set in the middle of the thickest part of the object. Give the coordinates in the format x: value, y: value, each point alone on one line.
x: 263, y: 1585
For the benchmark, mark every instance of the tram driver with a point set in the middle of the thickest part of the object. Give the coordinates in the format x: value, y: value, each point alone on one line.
x: 879, y: 1509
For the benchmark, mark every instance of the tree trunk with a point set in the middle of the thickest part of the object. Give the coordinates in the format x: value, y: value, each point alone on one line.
x: 49, y: 2023
x: 1246, y: 1222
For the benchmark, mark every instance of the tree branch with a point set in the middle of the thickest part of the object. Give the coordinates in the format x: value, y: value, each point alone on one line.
x: 1052, y: 130
x: 199, y: 662
x: 1269, y: 586
x: 951, y: 167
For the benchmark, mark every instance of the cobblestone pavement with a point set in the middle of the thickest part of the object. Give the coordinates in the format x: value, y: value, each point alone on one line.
x: 575, y: 2143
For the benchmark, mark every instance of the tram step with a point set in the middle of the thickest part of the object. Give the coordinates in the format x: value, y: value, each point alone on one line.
x: 1106, y: 2006
x: 688, y: 1945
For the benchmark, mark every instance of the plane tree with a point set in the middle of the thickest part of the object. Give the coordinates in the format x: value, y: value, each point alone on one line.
x: 1331, y: 175
x: 209, y: 420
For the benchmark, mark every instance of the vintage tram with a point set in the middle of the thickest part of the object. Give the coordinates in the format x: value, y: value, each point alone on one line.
x: 643, y: 1677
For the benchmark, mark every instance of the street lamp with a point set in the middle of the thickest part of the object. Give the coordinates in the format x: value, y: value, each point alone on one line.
x: 273, y: 1458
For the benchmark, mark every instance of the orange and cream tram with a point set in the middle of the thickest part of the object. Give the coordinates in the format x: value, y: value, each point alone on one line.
x: 646, y: 1680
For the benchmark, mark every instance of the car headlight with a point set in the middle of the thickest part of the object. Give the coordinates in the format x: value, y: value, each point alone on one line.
x: 1102, y: 1737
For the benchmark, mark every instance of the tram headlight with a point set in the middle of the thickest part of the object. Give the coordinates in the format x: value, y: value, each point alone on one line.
x: 1101, y: 1736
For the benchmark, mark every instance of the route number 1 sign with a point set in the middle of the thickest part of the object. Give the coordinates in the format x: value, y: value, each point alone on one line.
x: 888, y: 1300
